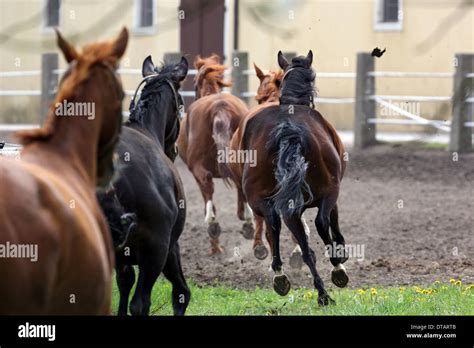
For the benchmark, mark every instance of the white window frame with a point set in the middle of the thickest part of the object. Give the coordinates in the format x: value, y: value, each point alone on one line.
x: 379, y: 25
x: 45, y: 28
x: 137, y: 29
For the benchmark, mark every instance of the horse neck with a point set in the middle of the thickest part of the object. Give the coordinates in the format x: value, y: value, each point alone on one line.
x: 75, y: 140
x: 209, y: 89
x: 156, y: 120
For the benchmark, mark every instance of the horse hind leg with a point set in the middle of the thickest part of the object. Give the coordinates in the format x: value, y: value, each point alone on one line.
x: 206, y: 185
x: 296, y: 227
x: 125, y: 277
x: 174, y: 273
x: 338, y: 275
x: 337, y: 235
x: 151, y: 264
x: 281, y: 283
x: 259, y: 249
x: 296, y: 257
x: 245, y: 213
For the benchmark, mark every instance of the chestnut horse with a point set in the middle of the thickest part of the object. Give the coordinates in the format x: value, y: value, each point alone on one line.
x: 204, y: 141
x: 305, y: 155
x: 267, y: 95
x: 47, y: 199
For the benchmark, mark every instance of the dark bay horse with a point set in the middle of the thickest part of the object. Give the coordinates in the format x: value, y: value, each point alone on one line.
x: 300, y: 166
x: 47, y: 199
x: 267, y: 94
x: 145, y: 205
x: 204, y: 141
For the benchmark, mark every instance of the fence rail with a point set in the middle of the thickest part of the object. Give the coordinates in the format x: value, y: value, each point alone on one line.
x: 365, y: 99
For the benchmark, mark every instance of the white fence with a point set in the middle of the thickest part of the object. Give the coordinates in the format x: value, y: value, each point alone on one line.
x: 365, y: 99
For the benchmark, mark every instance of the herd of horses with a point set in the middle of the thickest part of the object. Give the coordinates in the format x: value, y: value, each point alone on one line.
x: 95, y: 194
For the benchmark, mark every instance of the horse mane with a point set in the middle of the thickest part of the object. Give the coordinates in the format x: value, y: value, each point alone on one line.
x: 150, y: 95
x: 298, y: 86
x: 211, y: 72
x: 90, y: 55
x: 271, y: 88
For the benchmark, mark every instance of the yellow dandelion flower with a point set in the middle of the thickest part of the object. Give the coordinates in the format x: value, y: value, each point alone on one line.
x: 452, y: 280
x: 373, y: 291
x: 361, y: 291
x: 308, y: 295
x: 469, y: 287
x: 457, y: 282
x: 437, y: 282
x: 402, y: 289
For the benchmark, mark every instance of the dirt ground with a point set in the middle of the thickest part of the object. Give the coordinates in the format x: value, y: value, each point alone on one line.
x: 431, y: 237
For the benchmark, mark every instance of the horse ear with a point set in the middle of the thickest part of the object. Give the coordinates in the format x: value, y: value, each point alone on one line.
x: 259, y: 72
x: 309, y: 59
x: 148, y: 68
x: 282, y: 62
x: 120, y: 44
x: 182, y: 69
x: 198, y: 62
x: 68, y: 50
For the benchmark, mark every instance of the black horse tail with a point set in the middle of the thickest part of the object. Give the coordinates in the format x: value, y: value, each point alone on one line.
x: 222, y: 134
x: 287, y: 140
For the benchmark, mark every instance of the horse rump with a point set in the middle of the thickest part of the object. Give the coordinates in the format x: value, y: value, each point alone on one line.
x: 288, y: 142
x: 222, y: 134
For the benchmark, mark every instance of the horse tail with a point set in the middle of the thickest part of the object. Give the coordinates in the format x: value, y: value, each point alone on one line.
x: 288, y: 141
x: 222, y: 134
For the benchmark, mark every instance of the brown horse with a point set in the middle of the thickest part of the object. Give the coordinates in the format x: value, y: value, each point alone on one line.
x: 267, y: 95
x: 300, y: 165
x: 48, y: 201
x: 204, y: 139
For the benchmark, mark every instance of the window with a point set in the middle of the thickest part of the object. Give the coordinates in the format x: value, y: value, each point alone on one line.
x: 388, y: 15
x: 51, y: 13
x: 144, y: 16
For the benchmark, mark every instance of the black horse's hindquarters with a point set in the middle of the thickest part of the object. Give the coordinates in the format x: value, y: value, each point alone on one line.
x: 148, y: 186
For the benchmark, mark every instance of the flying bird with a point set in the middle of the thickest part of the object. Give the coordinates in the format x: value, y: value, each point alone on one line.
x: 377, y: 52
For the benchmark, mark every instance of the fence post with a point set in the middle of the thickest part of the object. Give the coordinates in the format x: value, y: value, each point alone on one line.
x: 364, y: 132
x: 240, y: 80
x: 174, y: 57
x: 49, y: 83
x: 461, y: 136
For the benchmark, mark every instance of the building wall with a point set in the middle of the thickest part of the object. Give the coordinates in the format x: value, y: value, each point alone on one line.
x: 433, y: 31
x: 22, y: 40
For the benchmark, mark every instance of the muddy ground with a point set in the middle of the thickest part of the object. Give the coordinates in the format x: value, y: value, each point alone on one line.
x: 430, y: 238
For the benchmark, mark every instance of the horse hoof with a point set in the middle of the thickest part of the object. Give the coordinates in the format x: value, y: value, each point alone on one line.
x: 339, y: 276
x: 296, y: 260
x: 325, y: 300
x: 281, y: 284
x: 260, y: 252
x: 214, y: 230
x: 247, y: 230
x: 216, y: 250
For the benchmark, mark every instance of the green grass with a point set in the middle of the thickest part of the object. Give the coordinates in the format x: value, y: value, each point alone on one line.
x: 438, y: 299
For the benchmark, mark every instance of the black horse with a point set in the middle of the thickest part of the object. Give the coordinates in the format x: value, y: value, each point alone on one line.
x: 145, y: 205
